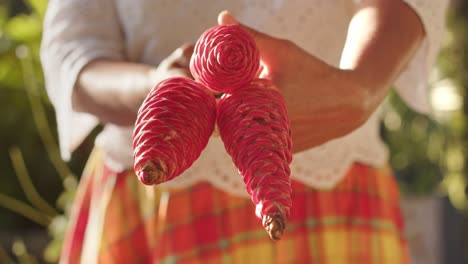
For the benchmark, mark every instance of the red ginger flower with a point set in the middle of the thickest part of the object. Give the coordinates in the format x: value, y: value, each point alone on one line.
x: 173, y: 126
x: 254, y: 126
x: 225, y: 58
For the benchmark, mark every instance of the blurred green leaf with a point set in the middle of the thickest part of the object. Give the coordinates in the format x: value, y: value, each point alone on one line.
x: 39, y: 6
x: 417, y: 142
x: 24, y: 28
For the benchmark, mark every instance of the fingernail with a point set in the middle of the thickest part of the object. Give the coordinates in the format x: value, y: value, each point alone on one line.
x: 227, y: 18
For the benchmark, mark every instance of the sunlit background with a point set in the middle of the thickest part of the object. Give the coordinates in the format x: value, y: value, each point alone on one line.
x: 429, y: 153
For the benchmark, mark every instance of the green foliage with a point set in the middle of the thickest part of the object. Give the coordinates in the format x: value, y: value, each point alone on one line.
x: 20, y: 129
x: 417, y: 145
x: 24, y: 28
x: 28, y: 142
x: 453, y: 65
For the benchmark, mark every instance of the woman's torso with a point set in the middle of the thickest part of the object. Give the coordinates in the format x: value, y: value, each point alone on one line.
x: 154, y: 29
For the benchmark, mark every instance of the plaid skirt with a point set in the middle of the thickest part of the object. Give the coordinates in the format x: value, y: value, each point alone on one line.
x: 116, y: 219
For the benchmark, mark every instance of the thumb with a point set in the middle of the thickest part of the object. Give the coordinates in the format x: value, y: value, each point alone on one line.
x: 180, y: 58
x: 266, y: 44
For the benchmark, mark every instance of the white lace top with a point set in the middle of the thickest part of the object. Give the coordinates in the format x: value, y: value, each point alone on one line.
x: 78, y: 31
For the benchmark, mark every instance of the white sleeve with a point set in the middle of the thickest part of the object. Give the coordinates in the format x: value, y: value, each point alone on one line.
x: 412, y: 84
x: 75, y: 32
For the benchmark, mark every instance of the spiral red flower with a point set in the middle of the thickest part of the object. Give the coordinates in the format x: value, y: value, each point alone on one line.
x: 254, y: 126
x: 225, y: 58
x: 173, y: 126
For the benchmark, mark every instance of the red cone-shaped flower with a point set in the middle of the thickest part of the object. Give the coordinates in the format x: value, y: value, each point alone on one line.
x: 254, y: 126
x: 173, y: 126
x: 225, y: 58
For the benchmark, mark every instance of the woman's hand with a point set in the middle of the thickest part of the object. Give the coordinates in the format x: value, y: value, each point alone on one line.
x: 114, y: 90
x: 323, y: 102
x: 326, y: 102
x: 175, y: 65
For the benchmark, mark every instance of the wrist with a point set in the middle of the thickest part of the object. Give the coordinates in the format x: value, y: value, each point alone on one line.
x: 373, y: 89
x: 359, y: 94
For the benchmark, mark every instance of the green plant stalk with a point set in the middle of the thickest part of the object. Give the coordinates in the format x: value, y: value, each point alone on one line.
x: 40, y: 119
x: 26, y: 183
x: 4, y: 257
x: 25, y: 210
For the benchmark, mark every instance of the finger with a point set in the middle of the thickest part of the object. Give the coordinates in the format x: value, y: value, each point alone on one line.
x: 180, y: 58
x: 226, y: 18
x: 187, y: 51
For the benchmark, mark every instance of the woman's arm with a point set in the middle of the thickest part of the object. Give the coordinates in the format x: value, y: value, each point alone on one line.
x: 382, y: 37
x: 114, y: 90
x: 325, y: 102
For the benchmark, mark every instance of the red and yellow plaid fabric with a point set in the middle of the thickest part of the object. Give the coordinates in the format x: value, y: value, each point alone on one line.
x: 118, y: 220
